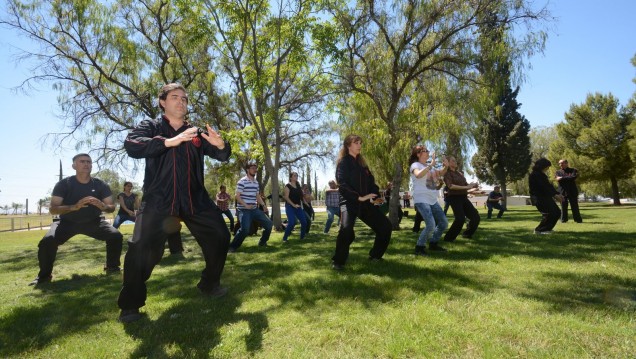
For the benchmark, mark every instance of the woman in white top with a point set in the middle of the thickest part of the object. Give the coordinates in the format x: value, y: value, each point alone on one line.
x: 426, y: 184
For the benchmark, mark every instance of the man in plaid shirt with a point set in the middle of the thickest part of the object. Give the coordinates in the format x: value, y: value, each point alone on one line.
x: 332, y: 201
x: 223, y: 202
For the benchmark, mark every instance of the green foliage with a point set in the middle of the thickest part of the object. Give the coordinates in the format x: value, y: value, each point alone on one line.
x: 541, y: 138
x: 504, y: 145
x: 277, y: 80
x: 115, y: 182
x: 108, y: 60
x: 507, y: 293
x: 396, y: 56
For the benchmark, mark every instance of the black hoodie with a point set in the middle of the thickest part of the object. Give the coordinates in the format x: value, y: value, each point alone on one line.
x: 173, y: 179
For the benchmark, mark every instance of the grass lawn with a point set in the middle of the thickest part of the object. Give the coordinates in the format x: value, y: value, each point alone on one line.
x: 506, y: 293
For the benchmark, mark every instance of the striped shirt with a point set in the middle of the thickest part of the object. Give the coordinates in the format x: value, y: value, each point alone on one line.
x: 248, y: 189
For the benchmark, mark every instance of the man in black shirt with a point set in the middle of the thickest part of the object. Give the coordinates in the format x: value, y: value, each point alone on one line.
x: 566, y: 177
x: 493, y: 201
x: 80, y: 201
x: 174, y: 152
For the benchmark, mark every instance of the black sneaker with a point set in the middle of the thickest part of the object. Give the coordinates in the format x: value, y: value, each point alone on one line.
x: 39, y: 280
x: 177, y: 255
x: 262, y: 244
x: 129, y: 315
x: 373, y: 259
x: 231, y: 250
x: 467, y: 236
x: 111, y: 270
x: 436, y: 247
x: 420, y: 250
x: 338, y: 267
x: 216, y: 292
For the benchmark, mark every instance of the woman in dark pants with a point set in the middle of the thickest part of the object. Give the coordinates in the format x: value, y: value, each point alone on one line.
x: 458, y: 189
x: 358, y: 189
x: 543, y: 194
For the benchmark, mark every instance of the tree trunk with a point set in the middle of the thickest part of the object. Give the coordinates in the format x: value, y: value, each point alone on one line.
x: 504, y: 198
x: 394, y: 202
x: 615, y: 194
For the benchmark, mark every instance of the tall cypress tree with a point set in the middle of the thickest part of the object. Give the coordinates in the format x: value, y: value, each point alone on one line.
x: 502, y: 134
x: 503, y: 142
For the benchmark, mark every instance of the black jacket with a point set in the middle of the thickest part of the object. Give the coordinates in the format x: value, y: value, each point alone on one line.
x: 567, y: 184
x: 173, y: 179
x: 540, y: 186
x: 354, y: 181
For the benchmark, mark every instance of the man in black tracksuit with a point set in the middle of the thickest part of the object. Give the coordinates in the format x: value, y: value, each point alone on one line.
x: 566, y: 176
x: 543, y: 195
x: 173, y: 190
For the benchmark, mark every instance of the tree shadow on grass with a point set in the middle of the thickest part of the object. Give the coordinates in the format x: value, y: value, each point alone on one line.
x: 68, y: 306
x: 567, y: 291
x: 574, y: 246
x: 191, y: 328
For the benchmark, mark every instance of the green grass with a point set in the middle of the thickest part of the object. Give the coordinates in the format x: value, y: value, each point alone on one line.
x: 506, y: 293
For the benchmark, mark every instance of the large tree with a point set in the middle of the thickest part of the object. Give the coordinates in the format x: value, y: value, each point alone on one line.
x: 594, y: 138
x: 503, y: 145
x: 392, y: 51
x: 270, y: 58
x: 107, y: 61
x: 632, y: 128
x: 503, y: 153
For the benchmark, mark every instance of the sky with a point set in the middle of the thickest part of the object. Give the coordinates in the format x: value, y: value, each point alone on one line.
x: 589, y: 49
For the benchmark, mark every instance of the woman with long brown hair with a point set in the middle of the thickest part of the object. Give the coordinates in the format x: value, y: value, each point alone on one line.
x: 358, y: 189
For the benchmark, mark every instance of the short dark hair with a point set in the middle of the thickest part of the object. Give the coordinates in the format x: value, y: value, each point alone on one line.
x: 250, y: 164
x: 127, y: 183
x: 541, y: 164
x: 80, y: 155
x: 166, y: 89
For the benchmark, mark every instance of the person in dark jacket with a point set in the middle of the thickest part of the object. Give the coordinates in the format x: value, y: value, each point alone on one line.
x: 358, y: 190
x: 543, y: 194
x: 173, y: 190
x: 566, y: 176
x: 463, y: 209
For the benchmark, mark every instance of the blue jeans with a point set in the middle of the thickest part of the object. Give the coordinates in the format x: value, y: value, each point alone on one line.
x: 246, y: 216
x: 331, y: 212
x: 294, y: 213
x: 495, y: 205
x: 228, y: 214
x: 121, y: 218
x: 435, y: 221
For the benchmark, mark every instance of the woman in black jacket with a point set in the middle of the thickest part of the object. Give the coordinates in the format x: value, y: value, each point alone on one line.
x: 358, y: 190
x: 543, y: 194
